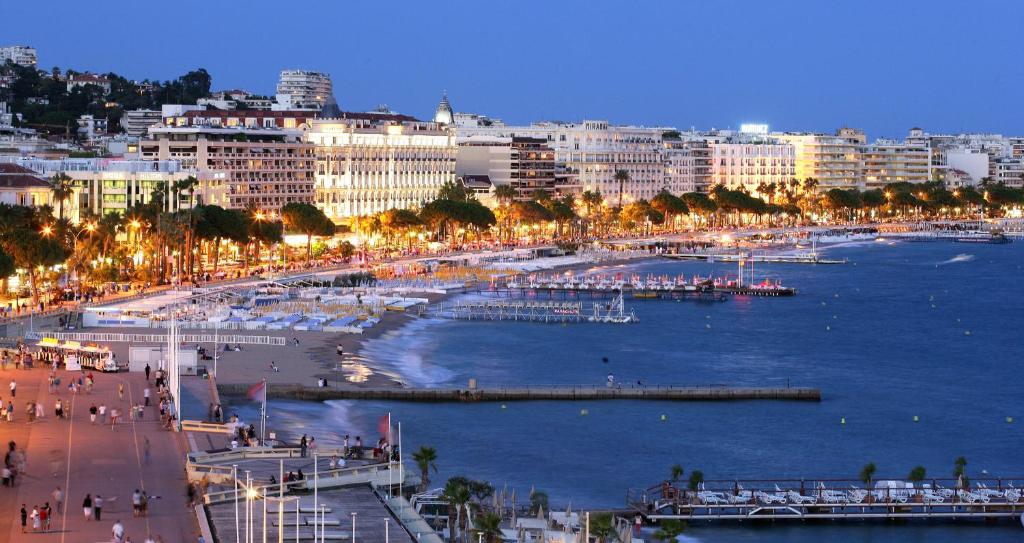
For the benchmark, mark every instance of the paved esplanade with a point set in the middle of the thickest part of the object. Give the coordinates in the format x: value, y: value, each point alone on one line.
x: 83, y: 458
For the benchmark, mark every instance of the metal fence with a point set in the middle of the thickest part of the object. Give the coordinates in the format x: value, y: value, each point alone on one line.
x: 107, y: 337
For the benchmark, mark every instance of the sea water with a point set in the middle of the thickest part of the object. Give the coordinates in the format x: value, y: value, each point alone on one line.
x: 931, y: 330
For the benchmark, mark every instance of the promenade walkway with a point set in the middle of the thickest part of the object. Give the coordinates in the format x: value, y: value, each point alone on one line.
x: 83, y: 458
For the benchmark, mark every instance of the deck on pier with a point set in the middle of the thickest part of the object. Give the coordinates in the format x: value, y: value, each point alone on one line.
x: 834, y: 500
x: 536, y: 393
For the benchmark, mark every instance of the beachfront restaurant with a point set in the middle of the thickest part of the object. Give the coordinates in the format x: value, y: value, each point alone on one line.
x: 133, y: 313
x: 75, y: 355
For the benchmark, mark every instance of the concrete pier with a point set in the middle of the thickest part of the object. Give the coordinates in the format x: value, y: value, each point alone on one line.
x: 534, y: 393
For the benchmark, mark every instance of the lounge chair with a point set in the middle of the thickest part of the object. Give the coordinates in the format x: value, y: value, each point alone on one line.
x: 711, y: 498
x: 856, y: 495
x: 932, y: 496
x: 744, y: 496
x: 971, y: 497
x: 769, y: 499
x: 797, y: 497
x: 833, y: 496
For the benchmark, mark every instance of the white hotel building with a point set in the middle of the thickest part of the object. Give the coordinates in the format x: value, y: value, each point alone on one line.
x: 749, y: 164
x: 371, y: 162
x: 596, y: 150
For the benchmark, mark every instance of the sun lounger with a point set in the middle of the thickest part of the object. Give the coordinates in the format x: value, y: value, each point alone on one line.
x: 744, y: 496
x: 797, y: 497
x: 711, y: 498
x: 971, y: 497
x: 768, y: 499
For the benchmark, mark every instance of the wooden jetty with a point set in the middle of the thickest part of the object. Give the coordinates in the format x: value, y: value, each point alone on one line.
x: 549, y: 311
x: 550, y: 293
x: 799, y: 258
x: 534, y: 393
x: 829, y: 499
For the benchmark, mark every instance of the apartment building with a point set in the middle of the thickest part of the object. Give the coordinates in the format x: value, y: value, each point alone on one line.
x: 137, y: 122
x: 594, y: 151
x: 887, y: 161
x: 525, y: 164
x: 371, y: 162
x: 265, y: 168
x: 833, y: 160
x: 302, y: 89
x: 21, y: 55
x: 1009, y: 171
x: 752, y: 163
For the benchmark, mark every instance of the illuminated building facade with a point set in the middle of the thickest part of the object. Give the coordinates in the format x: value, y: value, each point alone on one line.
x: 371, y: 162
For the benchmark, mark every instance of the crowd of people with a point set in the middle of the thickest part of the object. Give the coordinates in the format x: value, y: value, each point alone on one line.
x: 40, y: 518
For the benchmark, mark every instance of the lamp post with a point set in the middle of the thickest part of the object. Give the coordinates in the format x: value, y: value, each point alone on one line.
x: 234, y: 476
x: 354, y: 526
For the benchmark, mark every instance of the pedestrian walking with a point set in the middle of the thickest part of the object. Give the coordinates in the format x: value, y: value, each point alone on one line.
x: 120, y: 391
x: 44, y: 516
x: 14, y: 388
x: 302, y: 446
x: 37, y: 523
x: 147, y: 372
x: 145, y: 450
x: 145, y: 395
x: 58, y: 499
x: 136, y: 503
x: 92, y: 413
x: 87, y: 507
x: 97, y: 507
x: 103, y: 413
x: 117, y: 532
x: 24, y: 518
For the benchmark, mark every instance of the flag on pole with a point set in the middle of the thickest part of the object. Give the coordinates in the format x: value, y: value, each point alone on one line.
x: 385, y: 429
x: 258, y: 392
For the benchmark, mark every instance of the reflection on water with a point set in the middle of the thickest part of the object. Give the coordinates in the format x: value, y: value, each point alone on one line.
x: 356, y: 372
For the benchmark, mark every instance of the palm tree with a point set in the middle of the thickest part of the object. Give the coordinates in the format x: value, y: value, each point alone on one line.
x: 960, y: 470
x: 602, y: 527
x: 62, y: 188
x: 917, y: 474
x: 621, y: 176
x: 425, y: 458
x: 867, y: 473
x: 505, y: 193
x: 669, y: 530
x: 696, y: 478
x: 592, y: 201
x: 677, y: 473
x: 489, y: 524
x: 458, y: 497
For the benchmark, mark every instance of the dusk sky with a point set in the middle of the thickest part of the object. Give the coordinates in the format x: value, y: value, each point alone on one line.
x: 884, y: 66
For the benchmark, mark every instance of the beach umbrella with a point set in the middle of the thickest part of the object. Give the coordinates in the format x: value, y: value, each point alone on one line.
x: 568, y: 517
x: 540, y: 512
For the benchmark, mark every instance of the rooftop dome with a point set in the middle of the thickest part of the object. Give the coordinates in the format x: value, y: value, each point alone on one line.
x: 444, y: 114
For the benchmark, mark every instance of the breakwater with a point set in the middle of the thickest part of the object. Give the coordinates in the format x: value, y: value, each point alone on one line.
x: 533, y: 393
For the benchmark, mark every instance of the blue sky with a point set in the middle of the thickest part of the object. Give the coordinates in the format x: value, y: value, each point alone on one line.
x: 796, y: 64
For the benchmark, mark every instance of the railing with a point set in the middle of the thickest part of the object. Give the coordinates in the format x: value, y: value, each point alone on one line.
x: 372, y: 474
x: 789, y: 497
x: 209, y: 427
x: 106, y: 337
